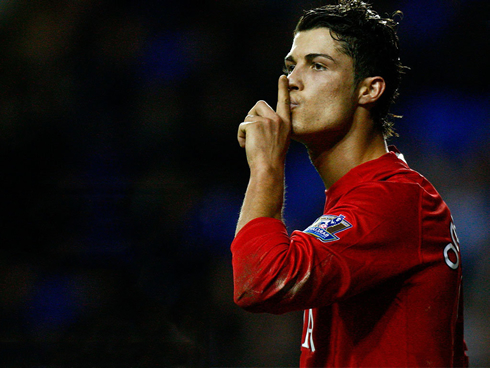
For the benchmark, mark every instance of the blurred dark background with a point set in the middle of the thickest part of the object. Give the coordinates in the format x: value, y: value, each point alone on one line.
x: 122, y: 178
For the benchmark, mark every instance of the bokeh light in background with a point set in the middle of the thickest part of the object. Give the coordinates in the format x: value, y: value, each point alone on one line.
x: 122, y: 178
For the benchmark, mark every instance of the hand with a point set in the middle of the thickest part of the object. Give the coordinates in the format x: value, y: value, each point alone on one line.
x: 265, y: 133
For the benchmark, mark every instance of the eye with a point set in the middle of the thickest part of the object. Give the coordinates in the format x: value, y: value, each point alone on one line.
x: 317, y: 66
x: 288, y: 69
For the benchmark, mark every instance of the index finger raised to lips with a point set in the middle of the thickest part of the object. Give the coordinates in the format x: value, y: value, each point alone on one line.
x: 283, y: 101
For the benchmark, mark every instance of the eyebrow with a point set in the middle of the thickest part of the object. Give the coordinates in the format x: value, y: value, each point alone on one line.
x: 310, y: 57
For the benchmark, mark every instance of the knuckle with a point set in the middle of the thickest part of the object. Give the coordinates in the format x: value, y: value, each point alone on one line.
x: 257, y: 105
x: 276, y: 119
x: 267, y: 121
x: 242, y: 127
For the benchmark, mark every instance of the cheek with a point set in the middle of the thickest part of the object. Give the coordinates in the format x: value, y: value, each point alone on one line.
x: 326, y: 102
x: 333, y: 107
x: 327, y: 92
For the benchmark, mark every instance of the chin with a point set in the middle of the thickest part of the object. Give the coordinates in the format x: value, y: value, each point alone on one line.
x: 298, y: 128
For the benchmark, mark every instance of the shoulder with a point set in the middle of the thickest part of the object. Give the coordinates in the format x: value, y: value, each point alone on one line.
x: 382, y: 195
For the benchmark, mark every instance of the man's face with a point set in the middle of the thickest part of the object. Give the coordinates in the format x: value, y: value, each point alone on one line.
x: 322, y: 90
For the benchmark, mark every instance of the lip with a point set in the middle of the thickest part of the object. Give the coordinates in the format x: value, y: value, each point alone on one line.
x: 293, y: 104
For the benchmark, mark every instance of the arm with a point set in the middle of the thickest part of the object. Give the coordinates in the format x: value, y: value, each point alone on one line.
x: 265, y: 135
x: 276, y: 273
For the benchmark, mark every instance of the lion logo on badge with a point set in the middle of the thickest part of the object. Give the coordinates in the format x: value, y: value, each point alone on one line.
x: 326, y: 226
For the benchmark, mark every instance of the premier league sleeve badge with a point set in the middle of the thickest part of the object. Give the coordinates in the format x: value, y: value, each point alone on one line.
x: 326, y: 226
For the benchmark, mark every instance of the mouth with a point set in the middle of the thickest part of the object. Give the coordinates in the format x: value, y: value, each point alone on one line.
x: 293, y: 104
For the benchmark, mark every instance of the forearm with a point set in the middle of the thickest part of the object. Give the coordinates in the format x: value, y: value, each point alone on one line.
x: 265, y: 135
x: 264, y: 196
x: 276, y: 273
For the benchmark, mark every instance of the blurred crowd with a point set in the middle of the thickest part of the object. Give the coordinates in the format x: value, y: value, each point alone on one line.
x: 122, y: 178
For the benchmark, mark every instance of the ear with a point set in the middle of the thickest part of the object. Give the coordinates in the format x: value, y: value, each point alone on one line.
x: 371, y: 89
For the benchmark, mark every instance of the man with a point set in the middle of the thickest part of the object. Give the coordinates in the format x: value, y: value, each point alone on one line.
x: 379, y: 273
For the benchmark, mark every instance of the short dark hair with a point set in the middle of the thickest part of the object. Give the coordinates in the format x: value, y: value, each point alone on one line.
x: 372, y: 43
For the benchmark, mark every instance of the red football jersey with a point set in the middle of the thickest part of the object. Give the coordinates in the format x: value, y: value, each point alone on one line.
x: 378, y: 275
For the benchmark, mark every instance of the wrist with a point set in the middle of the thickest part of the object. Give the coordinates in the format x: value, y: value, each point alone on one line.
x: 264, y: 196
x: 268, y: 172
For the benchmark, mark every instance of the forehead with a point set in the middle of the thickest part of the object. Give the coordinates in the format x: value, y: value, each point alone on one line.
x: 316, y: 41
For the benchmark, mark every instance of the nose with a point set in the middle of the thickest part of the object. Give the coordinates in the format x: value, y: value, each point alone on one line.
x: 295, y: 80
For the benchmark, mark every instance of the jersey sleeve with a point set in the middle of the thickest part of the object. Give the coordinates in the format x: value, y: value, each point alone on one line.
x: 371, y: 235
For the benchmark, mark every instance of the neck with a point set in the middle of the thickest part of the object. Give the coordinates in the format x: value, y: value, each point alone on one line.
x: 333, y: 162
